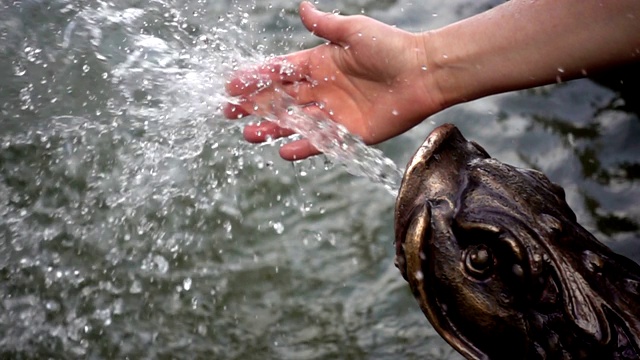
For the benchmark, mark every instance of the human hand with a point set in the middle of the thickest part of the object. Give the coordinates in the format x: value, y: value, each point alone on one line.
x: 371, y: 77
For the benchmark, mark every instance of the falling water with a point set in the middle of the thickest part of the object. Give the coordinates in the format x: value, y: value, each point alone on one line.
x: 343, y: 147
x: 332, y: 139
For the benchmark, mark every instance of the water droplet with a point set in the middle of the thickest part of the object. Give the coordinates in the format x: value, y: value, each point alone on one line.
x: 419, y: 275
x: 161, y: 263
x: 186, y: 284
x: 278, y: 227
x: 517, y: 270
x: 19, y: 71
x: 424, y: 67
x: 52, y: 306
x: 136, y: 287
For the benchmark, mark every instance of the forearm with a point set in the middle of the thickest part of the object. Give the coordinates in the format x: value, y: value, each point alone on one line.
x: 524, y: 43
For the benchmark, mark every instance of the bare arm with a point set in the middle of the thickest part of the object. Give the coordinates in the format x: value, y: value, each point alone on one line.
x: 526, y: 43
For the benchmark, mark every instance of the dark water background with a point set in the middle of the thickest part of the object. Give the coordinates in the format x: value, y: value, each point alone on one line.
x: 135, y: 222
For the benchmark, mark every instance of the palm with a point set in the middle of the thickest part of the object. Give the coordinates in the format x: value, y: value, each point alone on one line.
x: 360, y: 90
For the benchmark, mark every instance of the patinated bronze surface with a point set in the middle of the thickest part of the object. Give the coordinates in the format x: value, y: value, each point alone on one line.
x: 500, y: 266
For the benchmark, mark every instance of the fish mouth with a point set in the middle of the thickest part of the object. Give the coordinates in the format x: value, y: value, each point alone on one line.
x: 435, y: 171
x: 407, y: 204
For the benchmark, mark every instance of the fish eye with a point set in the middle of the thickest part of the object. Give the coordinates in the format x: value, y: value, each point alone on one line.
x: 479, y: 261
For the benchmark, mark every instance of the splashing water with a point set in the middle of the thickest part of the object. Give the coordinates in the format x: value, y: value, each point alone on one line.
x: 171, y: 84
x: 335, y: 141
x: 125, y: 201
x: 331, y: 138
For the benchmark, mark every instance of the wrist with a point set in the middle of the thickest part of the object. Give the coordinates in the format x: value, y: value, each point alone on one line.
x: 432, y: 76
x: 444, y: 76
x: 450, y: 75
x: 522, y: 44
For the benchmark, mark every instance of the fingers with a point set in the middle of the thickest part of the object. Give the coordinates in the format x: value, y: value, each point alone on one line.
x: 300, y: 92
x: 298, y: 150
x: 287, y: 69
x: 271, y: 130
x: 234, y: 111
x: 295, y: 150
x: 294, y: 67
x: 332, y: 27
x: 263, y: 131
x: 290, y: 73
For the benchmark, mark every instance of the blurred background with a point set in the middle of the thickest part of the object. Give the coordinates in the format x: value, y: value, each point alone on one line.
x: 136, y: 223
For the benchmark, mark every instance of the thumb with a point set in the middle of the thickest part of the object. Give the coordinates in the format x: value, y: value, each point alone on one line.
x: 325, y: 25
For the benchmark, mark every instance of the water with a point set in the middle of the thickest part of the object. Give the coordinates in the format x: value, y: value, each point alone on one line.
x: 135, y: 222
x: 332, y: 139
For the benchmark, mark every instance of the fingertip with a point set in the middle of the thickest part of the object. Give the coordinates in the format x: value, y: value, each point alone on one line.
x: 263, y: 131
x: 306, y: 6
x: 298, y: 150
x: 235, y: 86
x: 307, y: 11
x: 231, y: 111
x: 328, y: 26
x: 250, y: 79
x: 253, y: 134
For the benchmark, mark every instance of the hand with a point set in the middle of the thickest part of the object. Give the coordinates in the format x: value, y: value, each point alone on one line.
x: 371, y: 77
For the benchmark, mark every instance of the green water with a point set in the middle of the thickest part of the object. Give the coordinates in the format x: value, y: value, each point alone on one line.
x: 135, y: 223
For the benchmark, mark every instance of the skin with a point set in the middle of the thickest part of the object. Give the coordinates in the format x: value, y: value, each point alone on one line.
x: 379, y: 81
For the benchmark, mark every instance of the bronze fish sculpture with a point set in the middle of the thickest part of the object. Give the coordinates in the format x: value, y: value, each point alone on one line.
x: 499, y: 264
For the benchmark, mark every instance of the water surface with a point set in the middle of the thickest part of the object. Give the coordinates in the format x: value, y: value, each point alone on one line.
x: 135, y: 222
